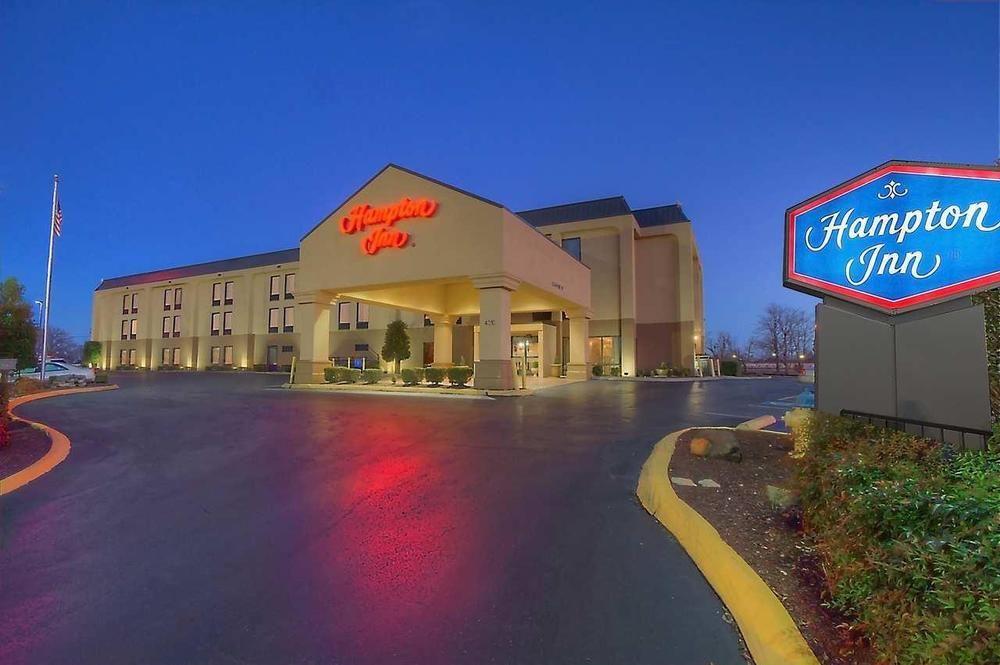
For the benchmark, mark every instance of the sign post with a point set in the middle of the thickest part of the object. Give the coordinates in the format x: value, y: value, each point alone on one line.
x: 895, y: 254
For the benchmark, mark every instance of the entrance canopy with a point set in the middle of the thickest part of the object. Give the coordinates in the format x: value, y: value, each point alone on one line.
x: 410, y: 242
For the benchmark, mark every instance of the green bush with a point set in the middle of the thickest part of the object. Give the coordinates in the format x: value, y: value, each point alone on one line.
x: 459, y: 375
x: 597, y: 370
x: 730, y: 367
x: 419, y: 371
x: 371, y: 376
x: 434, y: 375
x: 409, y: 376
x: 330, y: 374
x: 908, y: 534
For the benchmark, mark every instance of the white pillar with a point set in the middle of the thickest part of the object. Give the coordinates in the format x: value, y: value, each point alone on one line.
x: 579, y: 333
x: 443, y: 335
x: 312, y: 321
x: 494, y: 369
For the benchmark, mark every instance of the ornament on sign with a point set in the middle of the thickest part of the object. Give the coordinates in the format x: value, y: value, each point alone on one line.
x: 385, y: 218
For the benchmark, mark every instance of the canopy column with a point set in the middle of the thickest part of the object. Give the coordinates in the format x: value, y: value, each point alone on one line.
x: 579, y: 333
x: 494, y: 369
x: 312, y: 319
x: 443, y: 335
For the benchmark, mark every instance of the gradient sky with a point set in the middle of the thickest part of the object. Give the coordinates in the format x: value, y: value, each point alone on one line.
x: 199, y: 131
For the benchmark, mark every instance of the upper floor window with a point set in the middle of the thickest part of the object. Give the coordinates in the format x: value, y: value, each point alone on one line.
x: 167, y: 325
x: 216, y: 320
x: 166, y: 356
x: 168, y: 299
x: 177, y: 356
x: 290, y: 285
x: 124, y: 328
x: 227, y: 323
x: 227, y: 355
x: 178, y: 297
x: 275, y: 287
x: 344, y: 316
x: 216, y: 294
x: 362, y: 315
x: 289, y: 319
x: 272, y: 320
x: 572, y: 247
x: 125, y: 304
x: 133, y: 328
x: 230, y: 287
x: 216, y: 355
x: 177, y: 326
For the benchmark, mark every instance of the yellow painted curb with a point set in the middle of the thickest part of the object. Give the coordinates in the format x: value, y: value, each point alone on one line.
x: 770, y: 634
x: 58, y: 449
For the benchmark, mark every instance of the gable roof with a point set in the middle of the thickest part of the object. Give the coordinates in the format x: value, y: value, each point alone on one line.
x: 225, y: 265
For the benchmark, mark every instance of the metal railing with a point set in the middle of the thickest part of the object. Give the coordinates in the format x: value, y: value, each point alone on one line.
x: 960, y: 435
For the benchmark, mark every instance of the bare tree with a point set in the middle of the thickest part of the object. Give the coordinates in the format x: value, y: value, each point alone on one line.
x: 784, y: 333
x: 61, y: 345
x: 721, y: 345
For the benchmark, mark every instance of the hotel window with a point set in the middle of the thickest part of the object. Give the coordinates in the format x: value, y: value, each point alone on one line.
x: 289, y: 286
x: 362, y: 315
x: 168, y: 298
x: 177, y: 326
x: 135, y: 303
x: 216, y: 294
x: 177, y: 356
x: 131, y: 356
x: 272, y: 320
x: 572, y: 247
x: 125, y: 302
x: 227, y: 355
x: 360, y: 347
x: 216, y: 355
x: 289, y: 319
x: 427, y: 321
x: 227, y: 323
x: 167, y: 356
x: 275, y: 286
x: 216, y: 317
x: 123, y: 357
x: 344, y: 316
x: 133, y: 328
x: 166, y: 326
x: 178, y: 297
x: 125, y: 329
x: 287, y: 348
x: 230, y: 287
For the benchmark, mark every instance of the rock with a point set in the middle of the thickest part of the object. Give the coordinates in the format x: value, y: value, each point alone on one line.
x: 780, y: 497
x: 720, y: 443
x: 686, y: 482
x: 708, y: 482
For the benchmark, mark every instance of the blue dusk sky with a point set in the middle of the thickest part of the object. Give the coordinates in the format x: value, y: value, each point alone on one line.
x: 186, y: 132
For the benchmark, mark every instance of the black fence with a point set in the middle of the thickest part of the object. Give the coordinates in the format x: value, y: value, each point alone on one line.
x: 961, y: 438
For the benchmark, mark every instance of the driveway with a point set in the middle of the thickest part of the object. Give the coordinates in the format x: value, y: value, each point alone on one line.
x: 207, y: 518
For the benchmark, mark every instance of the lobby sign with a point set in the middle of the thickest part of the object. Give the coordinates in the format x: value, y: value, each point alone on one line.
x: 384, y: 219
x: 900, y: 237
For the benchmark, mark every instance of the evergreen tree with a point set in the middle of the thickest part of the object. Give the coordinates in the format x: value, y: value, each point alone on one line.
x: 396, y: 346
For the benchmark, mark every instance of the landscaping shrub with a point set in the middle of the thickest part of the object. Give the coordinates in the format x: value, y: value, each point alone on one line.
x: 729, y: 367
x: 409, y: 376
x: 371, y: 376
x: 26, y: 386
x: 419, y: 373
x: 597, y: 370
x: 434, y: 375
x: 459, y: 375
x: 100, y: 376
x: 330, y: 374
x: 907, y: 531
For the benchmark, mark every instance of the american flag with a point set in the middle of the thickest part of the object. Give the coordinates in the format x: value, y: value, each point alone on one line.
x: 57, y: 224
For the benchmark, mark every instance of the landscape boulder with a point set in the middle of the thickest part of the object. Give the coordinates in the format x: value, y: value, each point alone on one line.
x: 717, y: 443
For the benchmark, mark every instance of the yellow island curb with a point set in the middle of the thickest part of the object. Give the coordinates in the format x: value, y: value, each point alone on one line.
x: 771, y: 635
x: 58, y: 448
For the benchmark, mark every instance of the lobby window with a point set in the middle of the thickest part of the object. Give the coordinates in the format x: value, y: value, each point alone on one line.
x: 572, y: 247
x: 131, y: 357
x: 362, y: 315
x: 227, y: 323
x: 133, y: 328
x: 272, y: 320
x: 125, y: 301
x: 216, y: 320
x: 288, y: 348
x: 275, y: 287
x: 168, y: 299
x: 123, y: 357
x: 360, y: 347
x: 216, y: 355
x: 228, y: 296
x: 167, y: 356
x: 177, y: 326
x: 178, y: 297
x: 216, y: 294
x: 166, y: 326
x: 227, y: 355
x: 344, y: 316
x: 290, y: 286
x: 125, y: 329
x: 289, y: 319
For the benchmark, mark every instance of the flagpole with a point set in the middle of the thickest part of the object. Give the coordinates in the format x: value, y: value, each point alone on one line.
x: 48, y: 275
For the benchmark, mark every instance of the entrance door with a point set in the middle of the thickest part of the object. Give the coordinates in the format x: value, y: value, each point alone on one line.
x: 428, y: 353
x: 272, y: 355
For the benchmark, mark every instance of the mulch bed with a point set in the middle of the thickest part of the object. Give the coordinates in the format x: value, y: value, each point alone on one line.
x: 27, y: 445
x: 771, y: 541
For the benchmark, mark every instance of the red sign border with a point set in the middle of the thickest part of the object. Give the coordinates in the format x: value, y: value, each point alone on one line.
x: 818, y: 287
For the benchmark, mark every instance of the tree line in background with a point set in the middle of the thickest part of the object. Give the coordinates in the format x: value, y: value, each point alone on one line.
x: 20, y: 336
x: 783, y: 335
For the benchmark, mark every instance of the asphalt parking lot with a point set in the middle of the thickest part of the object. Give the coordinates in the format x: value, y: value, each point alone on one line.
x: 205, y: 518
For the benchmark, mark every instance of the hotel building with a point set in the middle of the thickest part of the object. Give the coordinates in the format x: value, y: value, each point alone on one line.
x: 582, y: 285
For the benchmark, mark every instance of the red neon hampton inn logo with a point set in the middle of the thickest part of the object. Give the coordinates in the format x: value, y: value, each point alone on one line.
x: 385, y: 219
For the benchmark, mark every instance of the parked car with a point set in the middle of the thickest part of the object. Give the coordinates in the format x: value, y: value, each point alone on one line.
x: 61, y: 372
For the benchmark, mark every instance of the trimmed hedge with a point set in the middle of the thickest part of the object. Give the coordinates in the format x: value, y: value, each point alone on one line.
x: 434, y: 375
x: 342, y: 374
x: 730, y: 368
x: 409, y: 376
x: 908, y: 532
x: 371, y: 376
x: 459, y: 375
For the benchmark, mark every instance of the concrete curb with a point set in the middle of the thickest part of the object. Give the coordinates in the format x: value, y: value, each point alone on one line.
x: 770, y: 634
x: 58, y: 448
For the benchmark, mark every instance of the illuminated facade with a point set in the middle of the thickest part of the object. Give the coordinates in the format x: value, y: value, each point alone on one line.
x: 587, y: 284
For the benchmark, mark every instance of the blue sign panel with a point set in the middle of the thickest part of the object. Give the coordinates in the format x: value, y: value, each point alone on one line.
x: 902, y: 236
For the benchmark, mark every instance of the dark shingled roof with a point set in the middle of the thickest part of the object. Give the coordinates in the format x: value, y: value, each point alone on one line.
x: 240, y: 263
x: 669, y: 214
x: 576, y: 212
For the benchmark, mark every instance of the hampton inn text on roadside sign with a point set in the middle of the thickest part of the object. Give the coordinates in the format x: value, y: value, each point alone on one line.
x: 384, y: 219
x: 902, y: 236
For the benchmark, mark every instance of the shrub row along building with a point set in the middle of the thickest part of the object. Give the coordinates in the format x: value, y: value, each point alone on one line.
x: 582, y: 285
